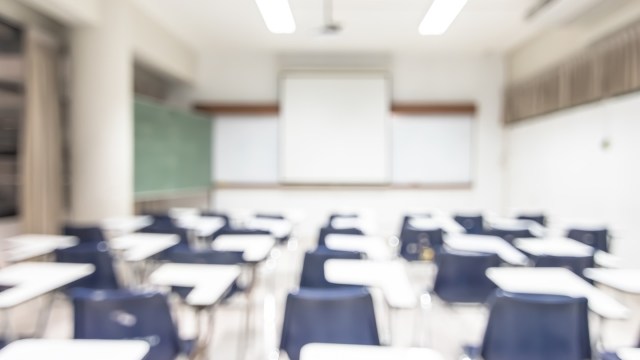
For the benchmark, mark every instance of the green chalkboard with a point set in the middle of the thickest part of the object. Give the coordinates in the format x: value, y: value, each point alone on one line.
x: 172, y: 150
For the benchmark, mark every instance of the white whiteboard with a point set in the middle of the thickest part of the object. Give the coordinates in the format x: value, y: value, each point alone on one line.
x: 432, y: 149
x: 334, y: 128
x: 245, y: 149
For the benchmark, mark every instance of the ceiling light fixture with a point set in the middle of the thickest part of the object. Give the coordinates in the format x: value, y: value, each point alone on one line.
x: 440, y: 16
x: 277, y: 16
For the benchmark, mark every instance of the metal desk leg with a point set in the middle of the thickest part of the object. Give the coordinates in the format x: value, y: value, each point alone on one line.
x: 244, y: 343
x: 44, y: 315
x: 204, y: 335
x: 8, y: 330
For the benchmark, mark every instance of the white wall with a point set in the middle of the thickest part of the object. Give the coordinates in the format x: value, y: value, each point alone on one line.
x: 561, y: 164
x: 73, y: 12
x: 253, y: 77
x: 557, y: 43
x: 159, y: 49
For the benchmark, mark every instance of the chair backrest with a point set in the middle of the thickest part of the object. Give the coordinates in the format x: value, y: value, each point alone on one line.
x: 461, y: 276
x: 326, y: 230
x: 313, y: 266
x: 597, y: 238
x: 85, y: 234
x: 540, y: 219
x: 123, y: 314
x: 413, y: 241
x: 510, y: 235
x: 471, y: 224
x: 104, y: 276
x: 335, y: 316
x: 211, y: 257
x: 537, y: 327
x: 577, y: 264
x: 345, y: 215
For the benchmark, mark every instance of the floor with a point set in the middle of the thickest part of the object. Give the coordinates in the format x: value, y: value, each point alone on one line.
x: 441, y: 327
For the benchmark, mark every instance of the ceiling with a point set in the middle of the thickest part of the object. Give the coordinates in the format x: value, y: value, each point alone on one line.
x: 492, y: 26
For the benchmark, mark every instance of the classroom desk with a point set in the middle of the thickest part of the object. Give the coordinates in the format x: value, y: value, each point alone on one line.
x: 533, y: 227
x: 389, y: 276
x: 209, y: 283
x: 629, y: 354
x: 29, y: 246
x: 279, y: 228
x: 626, y: 280
x: 201, y: 226
x: 41, y: 349
x: 487, y: 244
x: 374, y: 247
x: 365, y: 225
x: 137, y: 247
x: 125, y: 225
x: 565, y: 247
x: 557, y: 281
x: 29, y: 280
x: 434, y: 223
x: 255, y: 248
x: 350, y: 352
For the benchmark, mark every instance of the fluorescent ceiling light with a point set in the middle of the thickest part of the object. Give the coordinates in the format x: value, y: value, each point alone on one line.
x: 440, y: 16
x: 277, y: 16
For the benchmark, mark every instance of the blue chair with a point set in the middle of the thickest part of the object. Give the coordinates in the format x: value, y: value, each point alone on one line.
x: 414, y: 241
x: 87, y: 235
x: 124, y: 314
x: 313, y: 267
x: 324, y: 231
x: 461, y: 276
x: 471, y: 224
x: 334, y: 316
x: 210, y: 257
x: 577, y: 264
x: 535, y: 327
x: 597, y: 238
x: 540, y: 219
x: 104, y: 276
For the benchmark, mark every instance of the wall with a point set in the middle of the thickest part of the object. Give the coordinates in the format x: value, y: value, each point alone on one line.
x: 73, y: 12
x: 160, y: 50
x: 580, y: 165
x: 254, y: 77
x: 555, y: 44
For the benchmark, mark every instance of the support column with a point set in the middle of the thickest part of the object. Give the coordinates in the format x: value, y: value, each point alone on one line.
x: 102, y: 116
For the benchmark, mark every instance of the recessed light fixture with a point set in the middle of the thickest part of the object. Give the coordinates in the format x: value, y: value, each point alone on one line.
x: 440, y: 16
x: 277, y: 16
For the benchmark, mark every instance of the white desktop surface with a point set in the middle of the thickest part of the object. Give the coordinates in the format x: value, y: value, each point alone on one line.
x: 28, y: 246
x: 203, y: 226
x: 141, y: 246
x: 374, y: 247
x: 255, y: 248
x: 557, y: 281
x: 125, y: 225
x: 33, y: 279
x: 209, y: 282
x: 445, y: 223
x: 565, y: 247
x: 45, y: 349
x: 350, y: 352
x: 389, y: 276
x: 487, y: 244
x: 627, y: 280
x: 279, y: 228
x: 629, y: 354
